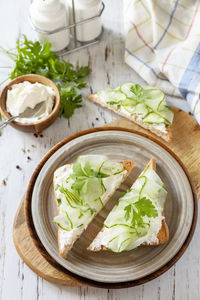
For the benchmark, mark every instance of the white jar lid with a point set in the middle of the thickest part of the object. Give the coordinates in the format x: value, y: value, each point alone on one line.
x: 47, y: 5
x: 87, y: 2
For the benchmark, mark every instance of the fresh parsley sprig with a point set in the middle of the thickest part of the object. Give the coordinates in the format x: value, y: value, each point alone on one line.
x: 34, y: 58
x: 135, y: 211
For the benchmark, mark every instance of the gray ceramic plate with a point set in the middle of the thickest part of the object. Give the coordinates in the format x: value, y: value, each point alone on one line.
x: 106, y: 266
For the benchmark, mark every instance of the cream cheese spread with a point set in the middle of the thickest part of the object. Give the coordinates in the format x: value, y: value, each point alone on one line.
x: 161, y: 127
x: 110, y: 183
x: 118, y: 233
x: 33, y: 101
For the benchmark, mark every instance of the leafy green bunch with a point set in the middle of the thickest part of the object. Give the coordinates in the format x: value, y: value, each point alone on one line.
x: 35, y: 58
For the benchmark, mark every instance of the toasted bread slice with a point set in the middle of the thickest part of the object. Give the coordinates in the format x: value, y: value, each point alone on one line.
x: 66, y: 239
x: 166, y: 134
x: 162, y: 236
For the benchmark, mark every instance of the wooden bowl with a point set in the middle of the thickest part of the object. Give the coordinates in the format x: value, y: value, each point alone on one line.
x: 34, y: 127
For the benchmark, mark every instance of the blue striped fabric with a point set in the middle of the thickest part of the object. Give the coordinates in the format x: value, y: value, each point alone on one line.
x: 191, y: 79
x: 147, y: 65
x: 170, y: 22
x: 165, y: 56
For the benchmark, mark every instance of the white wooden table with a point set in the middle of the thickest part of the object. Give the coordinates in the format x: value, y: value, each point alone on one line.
x: 17, y: 281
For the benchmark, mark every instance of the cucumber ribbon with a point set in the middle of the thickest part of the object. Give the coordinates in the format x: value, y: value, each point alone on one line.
x: 138, y: 216
x: 80, y: 195
x: 146, y: 102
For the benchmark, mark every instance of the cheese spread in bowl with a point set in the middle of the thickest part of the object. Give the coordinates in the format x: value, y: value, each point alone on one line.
x: 32, y: 102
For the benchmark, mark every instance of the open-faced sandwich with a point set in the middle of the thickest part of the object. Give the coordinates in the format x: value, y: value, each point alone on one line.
x: 138, y: 218
x: 81, y: 190
x: 145, y: 106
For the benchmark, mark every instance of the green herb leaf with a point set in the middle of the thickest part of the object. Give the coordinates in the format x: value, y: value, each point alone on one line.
x: 139, y: 92
x: 127, y: 209
x: 136, y: 210
x: 87, y: 182
x: 77, y: 169
x: 71, y: 198
x: 35, y: 58
x: 59, y: 201
x: 136, y: 219
x: 146, y: 208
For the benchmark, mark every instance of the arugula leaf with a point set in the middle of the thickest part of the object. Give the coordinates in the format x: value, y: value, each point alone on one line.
x: 35, y: 58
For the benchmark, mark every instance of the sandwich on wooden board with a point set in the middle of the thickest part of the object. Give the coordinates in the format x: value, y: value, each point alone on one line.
x: 145, y: 106
x: 138, y: 219
x: 81, y: 191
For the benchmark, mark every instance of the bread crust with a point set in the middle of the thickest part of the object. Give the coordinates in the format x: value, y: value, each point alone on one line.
x: 167, y: 136
x: 163, y: 234
x: 128, y: 166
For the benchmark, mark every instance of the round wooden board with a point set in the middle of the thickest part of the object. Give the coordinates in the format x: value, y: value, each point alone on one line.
x: 186, y: 145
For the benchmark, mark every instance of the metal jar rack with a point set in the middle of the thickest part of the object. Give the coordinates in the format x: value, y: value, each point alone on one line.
x: 74, y: 43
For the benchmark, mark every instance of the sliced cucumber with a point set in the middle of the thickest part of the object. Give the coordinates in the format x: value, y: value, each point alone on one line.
x: 147, y: 102
x: 141, y: 110
x: 126, y: 89
x: 151, y: 175
x: 128, y: 102
x: 151, y: 190
x: 168, y: 114
x: 81, y: 193
x: 115, y: 217
x: 142, y: 231
x: 165, y: 116
x: 154, y: 94
x: 77, y: 215
x: 162, y: 197
x: 129, y: 223
x: 125, y: 239
x: 63, y: 221
x: 119, y: 236
x: 139, y: 184
x: 111, y: 95
x: 111, y: 168
x: 153, y: 118
x: 154, y: 104
x: 95, y: 160
x: 129, y: 109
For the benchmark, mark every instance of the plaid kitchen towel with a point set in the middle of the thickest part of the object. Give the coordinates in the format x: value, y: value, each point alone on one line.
x: 163, y: 46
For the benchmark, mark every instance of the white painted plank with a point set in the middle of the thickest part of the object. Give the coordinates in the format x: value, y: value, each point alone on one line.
x: 17, y: 281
